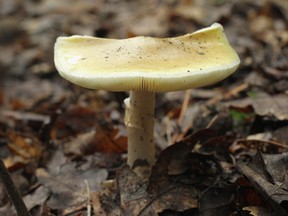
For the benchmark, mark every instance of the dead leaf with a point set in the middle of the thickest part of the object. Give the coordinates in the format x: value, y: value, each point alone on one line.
x: 174, y: 154
x: 28, y: 118
x: 78, y: 144
x: 248, y: 195
x: 66, y: 195
x: 136, y: 201
x: 109, y: 139
x: 27, y: 146
x: 75, y: 120
x: 258, y: 165
x: 102, y: 139
x: 251, y: 145
x: 217, y: 201
x: 277, y: 167
x: 265, y: 105
x: 274, y: 194
x: 106, y: 202
x: 258, y: 211
x: 37, y: 198
x: 28, y: 94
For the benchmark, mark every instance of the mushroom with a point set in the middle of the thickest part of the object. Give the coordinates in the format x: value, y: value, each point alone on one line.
x: 144, y: 66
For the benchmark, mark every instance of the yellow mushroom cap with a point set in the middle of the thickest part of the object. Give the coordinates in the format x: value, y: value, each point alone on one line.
x: 146, y: 63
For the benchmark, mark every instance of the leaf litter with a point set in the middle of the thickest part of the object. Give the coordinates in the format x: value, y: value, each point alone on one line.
x: 222, y: 150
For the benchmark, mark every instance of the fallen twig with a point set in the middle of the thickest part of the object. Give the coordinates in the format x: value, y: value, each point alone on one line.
x: 12, y: 191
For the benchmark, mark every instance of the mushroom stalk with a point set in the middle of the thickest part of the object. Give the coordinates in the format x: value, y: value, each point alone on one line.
x: 139, y: 120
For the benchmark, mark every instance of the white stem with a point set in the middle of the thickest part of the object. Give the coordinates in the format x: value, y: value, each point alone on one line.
x: 139, y: 120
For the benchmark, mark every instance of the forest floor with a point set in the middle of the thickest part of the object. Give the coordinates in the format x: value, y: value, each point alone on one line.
x: 65, y: 146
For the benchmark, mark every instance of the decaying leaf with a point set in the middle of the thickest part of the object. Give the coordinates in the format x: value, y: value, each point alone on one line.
x: 177, y: 179
x: 27, y: 147
x: 67, y: 186
x: 175, y: 154
x: 135, y: 200
x: 265, y: 105
x: 217, y: 200
x: 37, y: 198
x: 274, y: 193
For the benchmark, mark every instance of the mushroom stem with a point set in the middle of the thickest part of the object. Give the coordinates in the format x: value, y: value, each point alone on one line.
x: 139, y: 120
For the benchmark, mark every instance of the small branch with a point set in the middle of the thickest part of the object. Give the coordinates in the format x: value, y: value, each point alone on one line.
x: 184, y: 106
x: 12, y: 191
x: 89, y: 197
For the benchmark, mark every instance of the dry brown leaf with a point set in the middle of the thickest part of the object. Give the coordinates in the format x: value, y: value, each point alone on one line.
x: 275, y: 195
x: 265, y: 105
x: 68, y: 189
x: 27, y: 146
